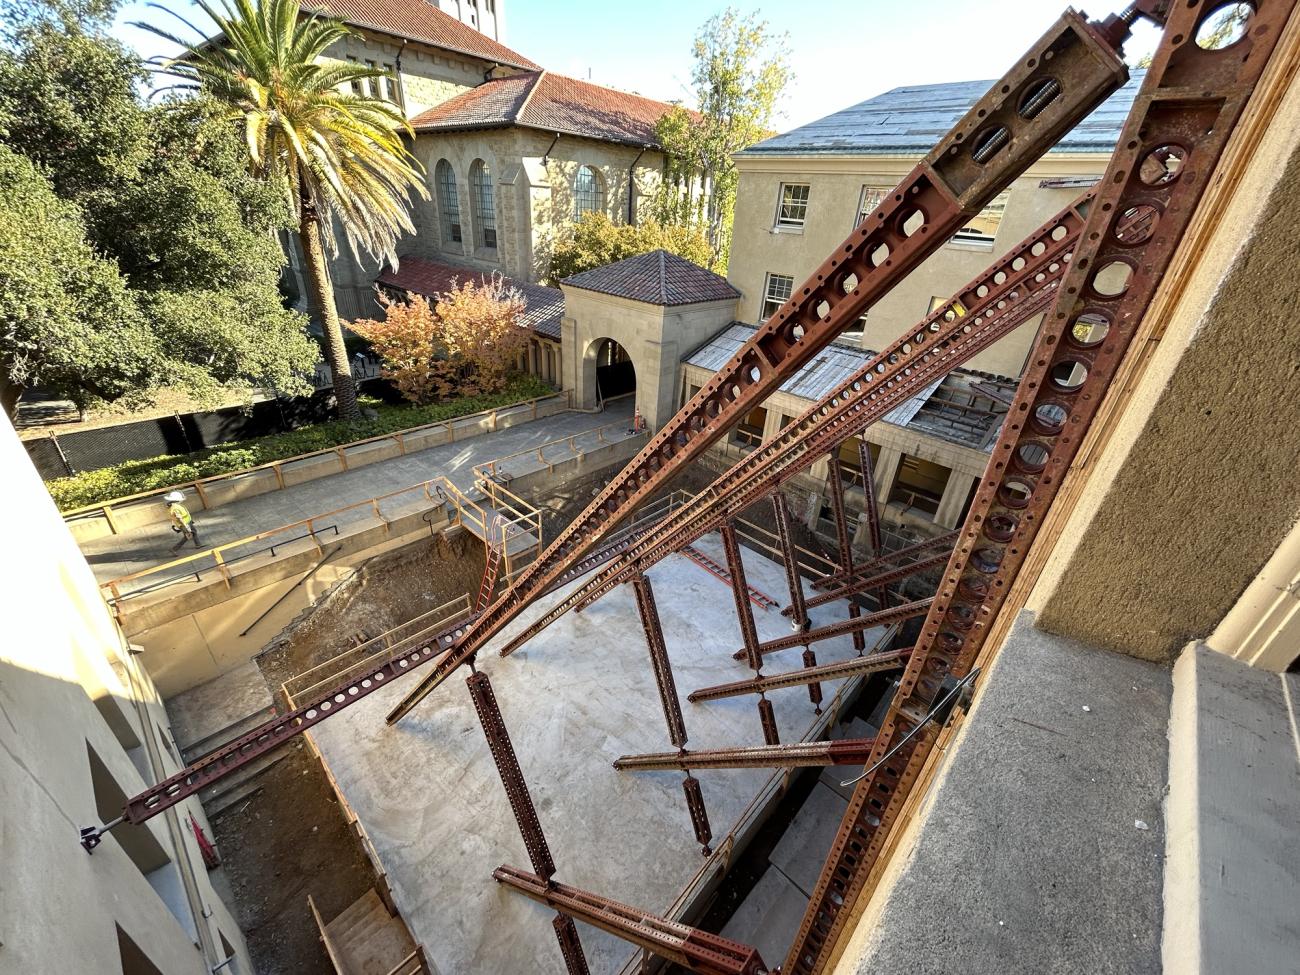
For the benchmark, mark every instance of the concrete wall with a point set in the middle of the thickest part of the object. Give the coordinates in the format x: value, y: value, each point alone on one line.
x: 1198, y: 484
x: 835, y: 190
x: 655, y: 337
x: 70, y: 690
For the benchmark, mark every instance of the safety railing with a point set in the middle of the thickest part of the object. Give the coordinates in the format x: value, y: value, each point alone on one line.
x: 498, y: 470
x: 411, y: 437
x: 336, y: 669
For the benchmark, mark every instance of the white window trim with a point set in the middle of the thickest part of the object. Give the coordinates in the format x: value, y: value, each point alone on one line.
x: 767, y: 291
x: 780, y: 226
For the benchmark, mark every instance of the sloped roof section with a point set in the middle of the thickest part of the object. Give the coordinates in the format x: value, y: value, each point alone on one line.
x: 419, y: 21
x: 909, y: 121
x: 543, y: 306
x: 552, y: 103
x: 815, y: 381
x: 657, y: 278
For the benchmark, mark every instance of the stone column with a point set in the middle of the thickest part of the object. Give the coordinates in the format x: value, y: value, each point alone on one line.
x: 886, y: 471
x: 955, y: 493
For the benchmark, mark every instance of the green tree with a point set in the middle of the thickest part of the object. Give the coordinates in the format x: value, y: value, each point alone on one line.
x: 172, y: 231
x: 338, y: 155
x: 741, y: 69
x: 595, y: 240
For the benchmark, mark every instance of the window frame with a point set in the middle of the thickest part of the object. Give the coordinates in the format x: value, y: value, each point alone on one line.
x: 768, y: 298
x: 598, y: 197
x: 785, y: 222
x: 483, y: 204
x: 878, y: 192
x: 450, y: 231
x: 969, y: 237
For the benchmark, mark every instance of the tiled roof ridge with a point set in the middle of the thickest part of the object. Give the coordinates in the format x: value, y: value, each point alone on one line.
x: 532, y: 89
x: 663, y: 275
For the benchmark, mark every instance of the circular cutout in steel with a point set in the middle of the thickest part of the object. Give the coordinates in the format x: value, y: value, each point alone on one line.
x: 1014, y: 493
x: 1068, y: 375
x: 1031, y: 457
x: 1112, y: 279
x: 1162, y: 165
x: 1136, y: 224
x: 1224, y: 26
x: 1089, y: 329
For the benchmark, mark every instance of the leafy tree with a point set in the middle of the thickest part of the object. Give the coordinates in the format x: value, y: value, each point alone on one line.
x: 595, y: 240
x: 338, y: 155
x: 467, y: 343
x: 160, y: 203
x: 741, y: 69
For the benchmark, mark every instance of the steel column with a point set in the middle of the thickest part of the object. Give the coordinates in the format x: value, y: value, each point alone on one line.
x: 880, y: 580
x: 885, y: 562
x: 1167, y: 152
x: 785, y: 538
x: 870, y: 509
x: 663, y: 668
x: 842, y: 540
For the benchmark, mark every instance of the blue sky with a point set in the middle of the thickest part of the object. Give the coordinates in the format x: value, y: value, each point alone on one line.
x: 842, y: 51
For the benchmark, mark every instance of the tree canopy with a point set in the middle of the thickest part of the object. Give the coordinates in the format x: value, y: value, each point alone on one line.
x: 595, y: 240
x: 138, y: 251
x: 741, y: 69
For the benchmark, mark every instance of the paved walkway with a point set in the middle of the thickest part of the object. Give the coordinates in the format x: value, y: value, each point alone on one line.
x: 114, y: 556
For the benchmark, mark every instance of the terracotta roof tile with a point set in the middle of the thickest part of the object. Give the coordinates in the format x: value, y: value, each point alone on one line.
x: 419, y: 21
x: 552, y: 103
x: 543, y: 306
x: 657, y: 278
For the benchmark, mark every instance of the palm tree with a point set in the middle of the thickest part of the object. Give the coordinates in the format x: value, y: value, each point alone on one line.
x: 311, y: 125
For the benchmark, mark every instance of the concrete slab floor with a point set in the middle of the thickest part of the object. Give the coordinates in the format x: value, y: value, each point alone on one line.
x: 114, y: 556
x: 769, y: 917
x: 217, y: 704
x: 574, y: 699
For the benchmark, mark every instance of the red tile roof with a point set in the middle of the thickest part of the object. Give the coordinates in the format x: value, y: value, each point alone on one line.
x: 552, y: 103
x: 543, y: 306
x: 419, y: 21
x: 657, y: 278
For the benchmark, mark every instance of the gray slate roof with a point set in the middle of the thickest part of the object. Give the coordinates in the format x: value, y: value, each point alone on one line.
x: 830, y: 367
x: 657, y: 278
x: 909, y: 121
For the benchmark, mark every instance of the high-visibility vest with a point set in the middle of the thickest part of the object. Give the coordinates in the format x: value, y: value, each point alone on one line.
x: 180, y: 514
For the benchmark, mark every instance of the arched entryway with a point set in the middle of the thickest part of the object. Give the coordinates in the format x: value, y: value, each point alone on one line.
x: 615, y: 374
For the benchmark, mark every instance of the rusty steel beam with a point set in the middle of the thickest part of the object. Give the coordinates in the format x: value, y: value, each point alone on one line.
x: 789, y: 558
x: 869, y: 664
x: 767, y: 718
x: 693, y: 949
x: 503, y: 754
x: 887, y: 561
x: 1065, y: 75
x: 814, y: 686
x: 843, y: 543
x: 872, y: 511
x: 895, y: 614
x: 802, y: 754
x: 880, y: 580
x: 663, y: 668
x: 566, y: 933
x: 740, y: 590
x: 699, y: 814
x: 1010, y: 292
x: 1173, y: 139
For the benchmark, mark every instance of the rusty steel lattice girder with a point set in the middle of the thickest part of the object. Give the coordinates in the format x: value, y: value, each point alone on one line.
x: 879, y: 580
x: 663, y: 668
x: 1187, y: 108
x: 1010, y: 292
x: 869, y: 664
x: 895, y: 614
x: 699, y: 814
x: 887, y: 561
x: 1064, y: 76
x: 739, y: 587
x: 790, y: 559
x: 693, y: 949
x: 843, y: 543
x: 800, y: 754
x: 503, y: 754
x: 566, y: 933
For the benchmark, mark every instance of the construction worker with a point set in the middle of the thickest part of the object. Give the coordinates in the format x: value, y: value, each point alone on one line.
x: 182, y: 520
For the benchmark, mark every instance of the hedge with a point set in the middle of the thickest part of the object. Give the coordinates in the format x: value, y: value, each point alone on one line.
x: 137, y: 476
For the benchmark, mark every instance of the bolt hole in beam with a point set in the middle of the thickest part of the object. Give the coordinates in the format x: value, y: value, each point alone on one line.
x: 1089, y: 329
x: 1162, y: 165
x: 1112, y: 279
x: 1136, y: 224
x: 1224, y: 26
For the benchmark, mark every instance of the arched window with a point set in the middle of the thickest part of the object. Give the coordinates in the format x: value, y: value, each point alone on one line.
x: 448, y: 201
x: 588, y: 192
x: 485, y: 214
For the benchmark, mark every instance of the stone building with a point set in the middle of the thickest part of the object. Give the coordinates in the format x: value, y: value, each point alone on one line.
x: 512, y: 153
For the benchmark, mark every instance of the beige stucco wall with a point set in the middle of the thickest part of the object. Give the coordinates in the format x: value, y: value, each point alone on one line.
x: 835, y: 188
x: 67, y: 684
x: 655, y: 338
x: 1197, y: 486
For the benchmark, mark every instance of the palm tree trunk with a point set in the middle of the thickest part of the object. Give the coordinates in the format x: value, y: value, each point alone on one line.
x: 318, y: 280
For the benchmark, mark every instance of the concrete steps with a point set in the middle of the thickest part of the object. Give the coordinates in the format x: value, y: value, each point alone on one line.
x: 237, y: 786
x: 223, y: 736
x: 366, y: 940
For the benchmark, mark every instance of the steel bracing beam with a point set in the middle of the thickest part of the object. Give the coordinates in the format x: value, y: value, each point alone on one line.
x: 878, y: 581
x: 1063, y: 77
x: 895, y: 614
x: 693, y: 949
x: 663, y: 668
x: 521, y: 804
x: 1182, y: 117
x: 843, y: 543
x: 869, y: 664
x: 871, y: 510
x: 887, y: 561
x: 800, y: 754
x: 1010, y: 292
x: 797, y: 609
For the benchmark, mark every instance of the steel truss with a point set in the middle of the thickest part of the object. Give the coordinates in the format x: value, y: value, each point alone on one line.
x: 1065, y: 75
x: 867, y: 664
x: 802, y: 754
x: 1188, y: 105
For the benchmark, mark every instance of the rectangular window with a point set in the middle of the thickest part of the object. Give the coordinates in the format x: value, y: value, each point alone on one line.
x: 776, y: 293
x: 870, y: 198
x: 919, y: 484
x: 388, y: 87
x: 355, y: 84
x: 793, y: 209
x: 749, y: 432
x: 984, y: 228
x: 372, y: 84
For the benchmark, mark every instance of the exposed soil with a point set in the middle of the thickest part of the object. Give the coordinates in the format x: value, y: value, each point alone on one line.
x: 284, y: 842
